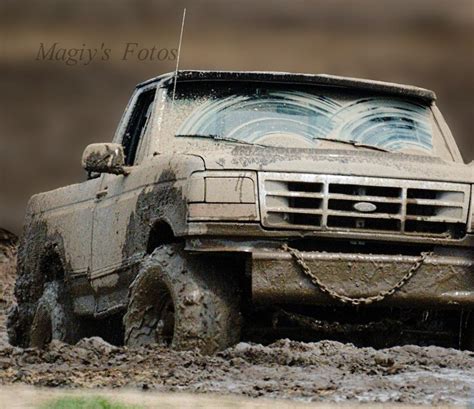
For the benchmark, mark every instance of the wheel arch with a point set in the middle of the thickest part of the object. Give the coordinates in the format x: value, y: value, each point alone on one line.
x: 161, y: 232
x: 39, y: 249
x: 51, y: 263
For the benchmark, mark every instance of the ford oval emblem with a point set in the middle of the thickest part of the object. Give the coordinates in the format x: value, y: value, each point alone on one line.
x: 365, y: 207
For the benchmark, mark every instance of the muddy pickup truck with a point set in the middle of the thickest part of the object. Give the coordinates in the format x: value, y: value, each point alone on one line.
x: 241, y: 203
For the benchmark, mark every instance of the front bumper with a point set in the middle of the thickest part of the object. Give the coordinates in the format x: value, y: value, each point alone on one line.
x: 255, y: 232
x: 444, y: 280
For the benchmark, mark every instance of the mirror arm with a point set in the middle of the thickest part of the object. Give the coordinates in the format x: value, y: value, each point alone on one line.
x: 121, y: 170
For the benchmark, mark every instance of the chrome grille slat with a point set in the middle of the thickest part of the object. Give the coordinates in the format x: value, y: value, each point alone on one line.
x: 433, y: 219
x: 290, y: 210
x: 367, y: 198
x: 365, y: 215
x: 429, y: 202
x: 297, y: 194
x: 326, y: 202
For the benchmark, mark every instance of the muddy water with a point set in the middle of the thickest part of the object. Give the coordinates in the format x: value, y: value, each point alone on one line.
x: 304, y: 372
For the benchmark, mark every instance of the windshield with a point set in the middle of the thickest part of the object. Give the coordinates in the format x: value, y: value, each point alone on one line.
x: 302, y: 117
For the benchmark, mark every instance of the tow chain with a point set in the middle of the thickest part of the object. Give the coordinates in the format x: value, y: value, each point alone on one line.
x: 298, y: 257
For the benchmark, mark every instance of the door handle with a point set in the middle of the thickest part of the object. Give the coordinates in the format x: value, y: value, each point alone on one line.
x: 101, y: 193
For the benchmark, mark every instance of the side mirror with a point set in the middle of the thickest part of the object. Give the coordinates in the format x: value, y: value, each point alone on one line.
x: 104, y: 158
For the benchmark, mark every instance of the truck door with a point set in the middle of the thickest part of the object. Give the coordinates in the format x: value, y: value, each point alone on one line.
x: 116, y: 200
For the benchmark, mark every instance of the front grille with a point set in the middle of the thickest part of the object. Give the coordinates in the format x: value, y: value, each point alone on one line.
x: 323, y: 202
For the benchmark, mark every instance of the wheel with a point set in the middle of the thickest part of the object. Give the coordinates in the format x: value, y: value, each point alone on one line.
x: 53, y: 319
x: 180, y: 301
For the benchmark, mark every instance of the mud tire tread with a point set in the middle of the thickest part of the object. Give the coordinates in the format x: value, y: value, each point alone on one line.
x: 206, y: 302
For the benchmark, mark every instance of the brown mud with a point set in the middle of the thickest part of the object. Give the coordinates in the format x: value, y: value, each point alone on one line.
x: 325, y: 371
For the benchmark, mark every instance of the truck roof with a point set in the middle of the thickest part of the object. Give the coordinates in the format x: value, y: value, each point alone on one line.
x: 388, y: 88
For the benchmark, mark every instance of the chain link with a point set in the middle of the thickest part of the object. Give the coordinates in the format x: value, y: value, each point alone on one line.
x: 298, y: 257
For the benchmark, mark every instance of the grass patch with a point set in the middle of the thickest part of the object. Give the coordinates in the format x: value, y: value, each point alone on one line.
x: 86, y: 403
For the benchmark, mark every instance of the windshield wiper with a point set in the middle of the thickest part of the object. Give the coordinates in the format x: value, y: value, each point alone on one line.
x: 239, y: 141
x: 221, y: 138
x: 352, y: 143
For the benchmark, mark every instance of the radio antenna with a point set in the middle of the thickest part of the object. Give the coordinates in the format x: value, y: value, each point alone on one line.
x: 179, y: 53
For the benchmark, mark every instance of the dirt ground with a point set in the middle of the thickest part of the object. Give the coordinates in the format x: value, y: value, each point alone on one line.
x: 316, y: 372
x: 325, y: 372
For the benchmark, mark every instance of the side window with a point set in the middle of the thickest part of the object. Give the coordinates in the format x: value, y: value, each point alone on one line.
x: 137, y: 125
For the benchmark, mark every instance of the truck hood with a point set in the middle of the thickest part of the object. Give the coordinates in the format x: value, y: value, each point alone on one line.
x: 337, y: 162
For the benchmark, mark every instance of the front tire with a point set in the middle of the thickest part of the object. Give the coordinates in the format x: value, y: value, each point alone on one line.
x: 180, y: 301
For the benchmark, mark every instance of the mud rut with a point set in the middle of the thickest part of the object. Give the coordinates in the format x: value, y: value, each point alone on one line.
x: 325, y: 371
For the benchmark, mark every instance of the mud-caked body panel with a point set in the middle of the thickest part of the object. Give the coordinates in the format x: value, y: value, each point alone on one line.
x: 61, y: 225
x: 49, y: 249
x: 153, y: 194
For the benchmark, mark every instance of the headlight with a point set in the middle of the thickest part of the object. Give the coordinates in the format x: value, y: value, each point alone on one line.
x: 222, y: 196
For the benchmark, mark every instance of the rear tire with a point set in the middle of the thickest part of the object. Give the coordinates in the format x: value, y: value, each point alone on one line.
x: 53, y: 319
x: 179, y: 301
